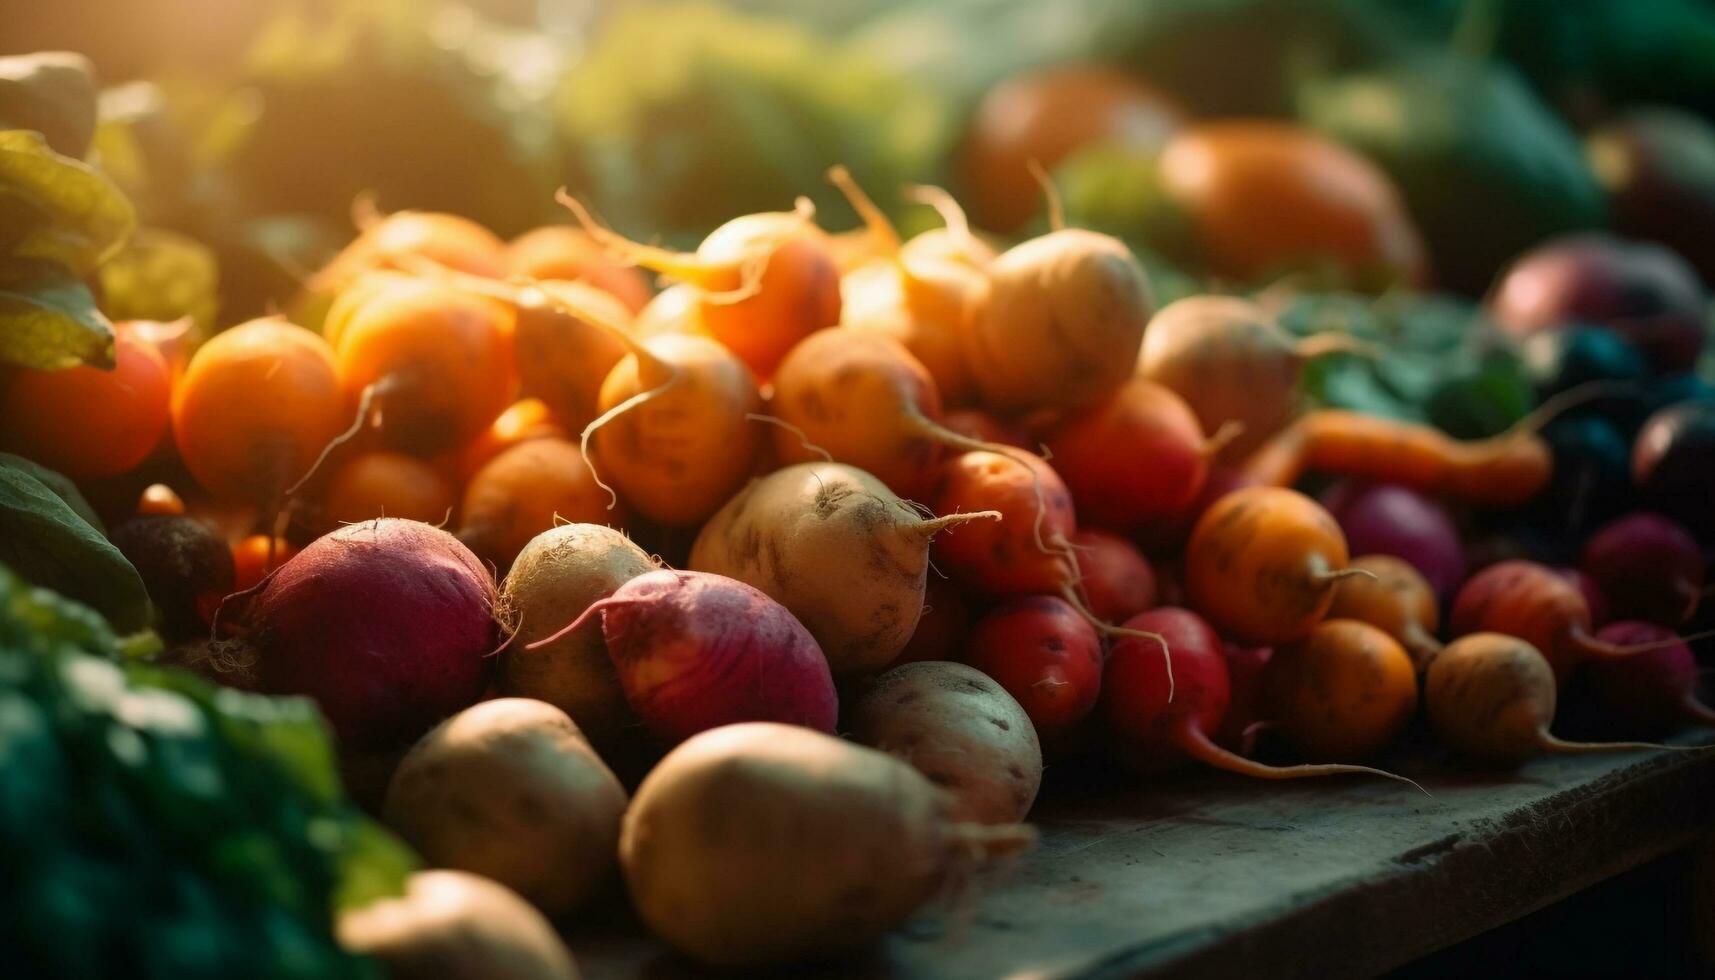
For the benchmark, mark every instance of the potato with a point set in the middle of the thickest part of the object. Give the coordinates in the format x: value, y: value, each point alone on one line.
x: 510, y: 789
x: 762, y: 843
x: 554, y: 579
x: 450, y: 925
x: 959, y: 728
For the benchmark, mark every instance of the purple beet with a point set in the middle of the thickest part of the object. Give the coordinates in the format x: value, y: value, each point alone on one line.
x: 1387, y: 519
x: 1641, y: 291
x: 1593, y: 596
x: 1648, y: 693
x: 1648, y: 566
x: 1673, y: 465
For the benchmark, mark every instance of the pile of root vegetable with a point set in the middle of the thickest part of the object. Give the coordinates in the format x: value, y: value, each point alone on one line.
x: 774, y: 589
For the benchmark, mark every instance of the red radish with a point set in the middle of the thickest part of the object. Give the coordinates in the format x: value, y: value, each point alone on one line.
x: 1389, y: 519
x: 387, y: 624
x: 1116, y: 578
x: 1648, y: 567
x: 1024, y: 553
x: 1047, y: 656
x: 1138, y: 456
x: 942, y: 629
x: 1653, y: 692
x: 1247, y: 711
x: 1492, y: 698
x: 1533, y: 603
x: 1149, y: 732
x: 695, y: 651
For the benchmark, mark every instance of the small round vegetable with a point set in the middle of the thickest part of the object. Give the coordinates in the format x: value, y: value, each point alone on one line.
x: 86, y: 422
x: 1041, y: 117
x: 675, y: 435
x: 440, y: 358
x: 1115, y: 577
x: 764, y: 281
x: 1535, y: 604
x: 524, y: 420
x: 387, y: 484
x: 255, y: 408
x: 1344, y: 692
x: 391, y: 242
x: 720, y: 836
x: 451, y: 925
x: 1492, y: 697
x: 1057, y: 322
x: 564, y: 253
x: 185, y: 566
x: 1024, y: 553
x: 1394, y: 598
x: 1644, y: 292
x: 1150, y: 731
x: 695, y: 651
x: 1265, y: 198
x: 1647, y: 567
x: 568, y: 339
x: 254, y: 556
x: 527, y: 490
x: 509, y: 789
x: 1047, y: 656
x: 1262, y: 564
x: 1673, y: 464
x: 558, y: 575
x: 785, y: 532
x: 387, y: 624
x: 1388, y: 519
x: 1653, y: 692
x: 1137, y: 457
x: 960, y: 729
x: 1231, y: 362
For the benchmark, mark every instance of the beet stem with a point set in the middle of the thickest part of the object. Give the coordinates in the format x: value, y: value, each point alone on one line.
x: 1076, y: 601
x: 594, y: 607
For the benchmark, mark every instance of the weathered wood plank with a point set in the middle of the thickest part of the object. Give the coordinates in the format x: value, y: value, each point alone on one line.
x: 1331, y: 878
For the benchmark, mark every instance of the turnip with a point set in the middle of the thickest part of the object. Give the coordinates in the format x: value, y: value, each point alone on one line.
x: 1492, y: 698
x: 1115, y: 577
x: 1648, y: 567
x: 1388, y: 519
x: 695, y: 651
x: 509, y: 789
x: 557, y: 576
x: 451, y: 925
x: 387, y: 624
x: 762, y: 843
x: 962, y: 730
x: 836, y: 548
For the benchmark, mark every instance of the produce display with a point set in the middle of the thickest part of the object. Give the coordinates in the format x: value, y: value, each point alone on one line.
x: 673, y: 499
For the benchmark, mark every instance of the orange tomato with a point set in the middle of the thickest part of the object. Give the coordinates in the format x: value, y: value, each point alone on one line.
x: 86, y: 422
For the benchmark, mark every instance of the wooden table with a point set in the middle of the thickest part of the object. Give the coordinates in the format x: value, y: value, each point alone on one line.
x: 1213, y: 875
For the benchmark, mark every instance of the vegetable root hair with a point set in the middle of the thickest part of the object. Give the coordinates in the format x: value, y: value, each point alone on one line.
x: 616, y: 411
x: 1050, y: 194
x: 1597, y: 649
x: 945, y: 205
x: 1074, y: 598
x: 1195, y: 743
x: 1549, y: 743
x: 803, y: 437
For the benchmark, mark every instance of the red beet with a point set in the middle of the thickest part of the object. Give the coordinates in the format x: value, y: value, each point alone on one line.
x: 1648, y: 567
x: 1592, y: 593
x: 386, y: 624
x: 1136, y: 457
x: 1114, y: 575
x: 1047, y: 656
x: 1534, y: 603
x: 1652, y: 692
x: 696, y: 651
x: 1387, y: 519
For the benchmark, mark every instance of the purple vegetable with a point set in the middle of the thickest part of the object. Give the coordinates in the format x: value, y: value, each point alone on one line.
x: 1648, y: 567
x: 1593, y: 595
x: 1387, y: 519
x: 1651, y: 692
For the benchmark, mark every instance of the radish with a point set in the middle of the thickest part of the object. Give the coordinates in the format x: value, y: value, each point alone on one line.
x: 1047, y: 656
x: 1648, y: 567
x: 696, y: 651
x: 1116, y: 578
x: 386, y: 624
x: 1150, y: 732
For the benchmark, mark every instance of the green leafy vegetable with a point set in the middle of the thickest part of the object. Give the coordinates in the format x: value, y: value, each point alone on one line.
x: 48, y: 318
x: 61, y: 485
x: 46, y: 540
x: 153, y: 825
x: 56, y: 208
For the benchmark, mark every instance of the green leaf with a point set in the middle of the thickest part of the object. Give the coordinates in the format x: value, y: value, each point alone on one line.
x: 48, y: 319
x: 61, y: 210
x: 43, y: 539
x: 60, y: 484
x: 162, y: 276
x: 53, y: 93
